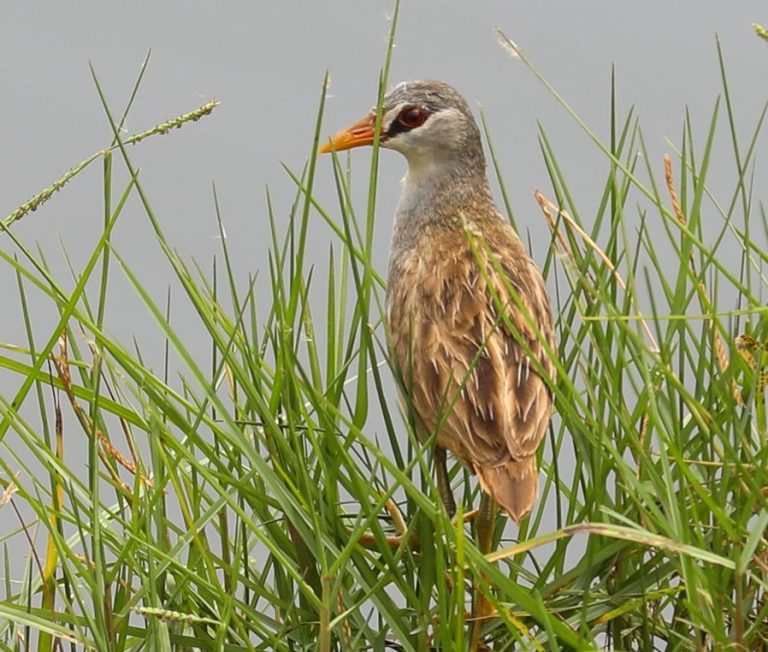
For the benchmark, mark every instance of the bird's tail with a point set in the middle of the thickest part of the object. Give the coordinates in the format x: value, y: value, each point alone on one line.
x: 514, y: 485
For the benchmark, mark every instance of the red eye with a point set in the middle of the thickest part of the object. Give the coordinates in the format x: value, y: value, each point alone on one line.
x: 412, y: 117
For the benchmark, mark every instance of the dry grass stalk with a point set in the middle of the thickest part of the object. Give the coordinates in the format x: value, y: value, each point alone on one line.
x: 7, y: 493
x: 548, y: 208
x: 108, y: 450
x: 706, y: 304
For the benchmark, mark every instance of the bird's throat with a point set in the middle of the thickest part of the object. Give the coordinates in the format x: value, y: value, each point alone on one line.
x: 437, y: 193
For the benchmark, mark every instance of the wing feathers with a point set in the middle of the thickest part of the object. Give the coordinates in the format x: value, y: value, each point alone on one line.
x: 472, y: 376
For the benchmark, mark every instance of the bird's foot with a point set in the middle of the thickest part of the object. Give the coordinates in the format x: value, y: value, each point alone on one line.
x: 468, y: 517
x: 369, y: 540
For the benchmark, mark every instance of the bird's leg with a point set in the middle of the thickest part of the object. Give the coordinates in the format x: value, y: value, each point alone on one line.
x: 485, y: 525
x: 444, y: 486
x: 443, y: 482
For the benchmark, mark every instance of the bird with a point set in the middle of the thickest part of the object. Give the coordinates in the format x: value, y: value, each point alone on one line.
x: 468, y: 315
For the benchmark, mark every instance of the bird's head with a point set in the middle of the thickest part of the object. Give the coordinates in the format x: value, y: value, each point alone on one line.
x: 426, y: 121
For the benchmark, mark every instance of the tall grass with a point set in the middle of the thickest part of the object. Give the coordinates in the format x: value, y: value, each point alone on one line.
x: 248, y: 505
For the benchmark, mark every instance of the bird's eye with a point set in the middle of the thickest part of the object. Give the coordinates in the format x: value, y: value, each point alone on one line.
x: 412, y: 117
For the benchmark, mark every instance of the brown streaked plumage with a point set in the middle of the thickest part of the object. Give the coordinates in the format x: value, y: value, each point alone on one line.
x: 468, y: 311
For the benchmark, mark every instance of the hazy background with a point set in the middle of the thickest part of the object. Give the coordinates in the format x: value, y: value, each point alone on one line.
x: 265, y: 62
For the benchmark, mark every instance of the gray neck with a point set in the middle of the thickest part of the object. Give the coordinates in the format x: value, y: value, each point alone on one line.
x: 436, y: 193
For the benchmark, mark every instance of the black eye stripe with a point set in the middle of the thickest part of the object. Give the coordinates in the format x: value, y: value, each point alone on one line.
x: 398, y: 127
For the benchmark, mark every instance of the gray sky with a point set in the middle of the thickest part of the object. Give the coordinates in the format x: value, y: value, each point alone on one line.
x: 265, y: 62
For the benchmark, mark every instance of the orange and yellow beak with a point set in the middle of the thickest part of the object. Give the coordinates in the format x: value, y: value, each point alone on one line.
x: 356, y: 135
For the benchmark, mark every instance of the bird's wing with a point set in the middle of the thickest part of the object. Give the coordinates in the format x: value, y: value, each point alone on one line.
x: 470, y: 372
